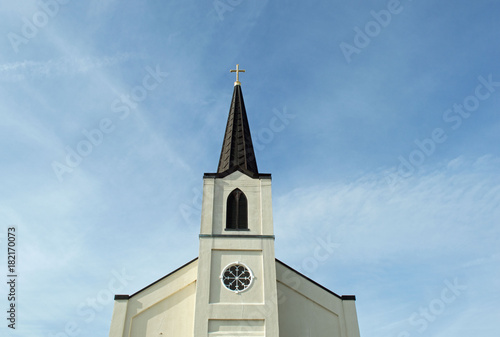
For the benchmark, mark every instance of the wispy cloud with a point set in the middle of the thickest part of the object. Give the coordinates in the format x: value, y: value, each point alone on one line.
x: 17, y: 71
x: 439, y: 210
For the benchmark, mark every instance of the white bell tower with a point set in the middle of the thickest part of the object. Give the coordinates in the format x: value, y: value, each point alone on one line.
x: 236, y: 294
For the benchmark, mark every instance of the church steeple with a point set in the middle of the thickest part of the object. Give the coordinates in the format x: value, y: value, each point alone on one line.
x: 237, y: 149
x: 232, y: 288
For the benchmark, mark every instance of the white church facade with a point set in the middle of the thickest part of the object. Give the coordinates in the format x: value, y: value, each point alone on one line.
x: 236, y: 287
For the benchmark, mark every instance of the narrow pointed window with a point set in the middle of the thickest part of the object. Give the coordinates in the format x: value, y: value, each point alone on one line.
x: 237, y: 211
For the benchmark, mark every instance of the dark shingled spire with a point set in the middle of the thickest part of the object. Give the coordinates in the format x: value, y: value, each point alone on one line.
x: 237, y: 149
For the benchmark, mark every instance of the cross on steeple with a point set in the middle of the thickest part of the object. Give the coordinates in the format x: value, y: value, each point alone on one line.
x: 237, y: 71
x: 237, y: 149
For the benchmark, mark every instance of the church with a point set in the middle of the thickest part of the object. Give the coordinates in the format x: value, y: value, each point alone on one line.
x: 236, y: 287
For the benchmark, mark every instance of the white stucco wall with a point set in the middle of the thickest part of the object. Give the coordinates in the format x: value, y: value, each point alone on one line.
x: 305, y: 309
x: 253, y: 260
x: 191, y: 302
x: 258, y: 193
x: 172, y: 316
x: 166, y: 308
x: 219, y: 311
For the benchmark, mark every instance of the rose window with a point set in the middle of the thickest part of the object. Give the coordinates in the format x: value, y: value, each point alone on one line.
x: 236, y: 277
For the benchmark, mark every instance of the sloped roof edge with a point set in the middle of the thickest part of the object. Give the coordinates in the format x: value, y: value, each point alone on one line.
x: 342, y: 297
x: 126, y: 297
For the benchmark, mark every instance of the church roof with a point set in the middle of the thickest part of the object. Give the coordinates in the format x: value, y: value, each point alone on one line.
x: 342, y: 297
x: 237, y: 149
x: 126, y: 297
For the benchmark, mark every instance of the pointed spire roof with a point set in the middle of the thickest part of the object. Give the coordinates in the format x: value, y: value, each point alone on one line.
x: 237, y: 149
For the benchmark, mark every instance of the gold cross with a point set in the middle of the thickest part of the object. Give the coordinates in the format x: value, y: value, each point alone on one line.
x: 237, y: 71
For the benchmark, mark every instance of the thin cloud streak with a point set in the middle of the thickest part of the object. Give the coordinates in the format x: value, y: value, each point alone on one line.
x: 17, y: 71
x: 439, y: 210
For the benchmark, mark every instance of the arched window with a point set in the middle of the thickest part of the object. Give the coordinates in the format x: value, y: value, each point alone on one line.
x: 237, y: 210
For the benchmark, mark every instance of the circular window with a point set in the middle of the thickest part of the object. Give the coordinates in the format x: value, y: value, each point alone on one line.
x: 236, y: 277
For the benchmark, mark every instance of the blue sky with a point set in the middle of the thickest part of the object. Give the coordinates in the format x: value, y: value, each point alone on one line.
x: 379, y: 121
